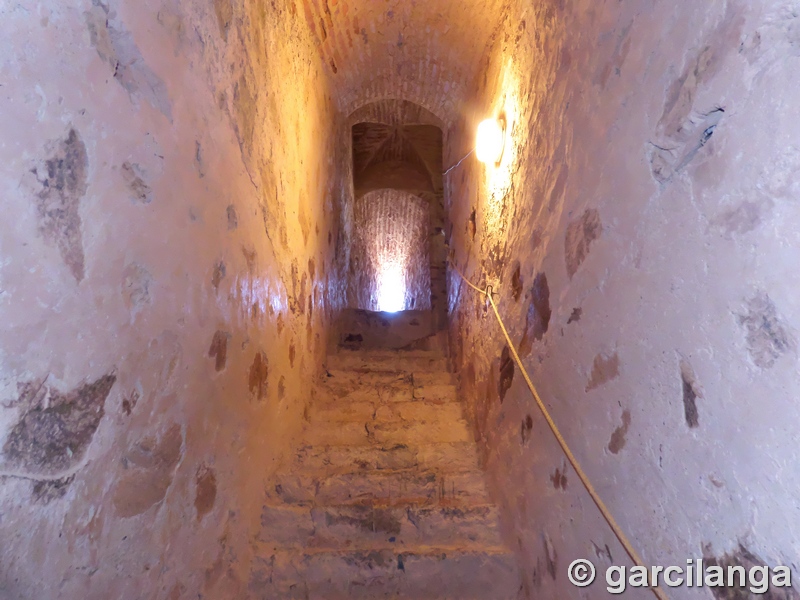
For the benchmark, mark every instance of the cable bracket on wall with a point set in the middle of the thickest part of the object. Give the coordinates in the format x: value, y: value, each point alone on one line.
x: 463, y: 158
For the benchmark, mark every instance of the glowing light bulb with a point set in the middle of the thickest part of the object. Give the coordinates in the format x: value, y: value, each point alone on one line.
x: 489, y: 141
x: 391, y: 288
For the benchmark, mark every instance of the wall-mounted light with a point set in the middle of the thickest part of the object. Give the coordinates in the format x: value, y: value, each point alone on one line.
x: 490, y: 141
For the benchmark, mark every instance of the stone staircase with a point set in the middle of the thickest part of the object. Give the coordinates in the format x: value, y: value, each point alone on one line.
x: 385, y: 498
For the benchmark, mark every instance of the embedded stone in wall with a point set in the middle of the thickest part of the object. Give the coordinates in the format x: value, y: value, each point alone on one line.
x: 690, y: 394
x: 133, y: 175
x: 506, y: 373
x: 258, y: 377
x: 245, y: 105
x: 232, y: 217
x: 130, y: 401
x: 551, y: 556
x: 768, y: 338
x: 224, y: 11
x: 117, y: 47
x: 218, y: 274
x: 136, y: 282
x: 199, y: 161
x: 45, y: 492
x: 56, y: 428
x: 219, y: 349
x: 516, y: 282
x: 63, y: 180
x: 206, y: 491
x: 537, y: 320
x: 604, y: 369
x: 148, y: 469
x: 617, y: 441
x: 581, y: 233
x: 525, y: 429
x: 685, y: 128
x: 472, y: 227
x: 559, y: 478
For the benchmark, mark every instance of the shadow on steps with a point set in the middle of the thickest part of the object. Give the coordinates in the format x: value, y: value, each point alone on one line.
x: 405, y: 330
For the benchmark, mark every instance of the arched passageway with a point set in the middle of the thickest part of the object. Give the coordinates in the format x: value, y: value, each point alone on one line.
x: 390, y: 264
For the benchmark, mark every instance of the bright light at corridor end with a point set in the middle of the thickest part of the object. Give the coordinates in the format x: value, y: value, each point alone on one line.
x: 391, y: 288
x: 489, y: 141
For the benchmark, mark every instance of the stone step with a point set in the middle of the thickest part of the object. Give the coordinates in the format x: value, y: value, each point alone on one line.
x: 457, y: 456
x: 422, y: 379
x: 388, y: 488
x: 378, y: 528
x: 399, y: 361
x: 438, y: 573
x: 365, y: 412
x: 354, y: 433
x: 353, y: 385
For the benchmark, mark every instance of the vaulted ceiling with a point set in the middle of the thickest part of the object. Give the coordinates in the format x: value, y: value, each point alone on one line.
x: 427, y: 51
x: 399, y: 156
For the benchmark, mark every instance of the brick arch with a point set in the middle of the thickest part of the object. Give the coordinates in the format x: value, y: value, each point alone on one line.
x: 395, y: 111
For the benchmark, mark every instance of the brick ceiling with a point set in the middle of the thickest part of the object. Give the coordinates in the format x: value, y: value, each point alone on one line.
x: 426, y: 51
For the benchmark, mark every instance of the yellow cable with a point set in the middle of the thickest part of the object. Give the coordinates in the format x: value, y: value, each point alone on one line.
x: 561, y: 442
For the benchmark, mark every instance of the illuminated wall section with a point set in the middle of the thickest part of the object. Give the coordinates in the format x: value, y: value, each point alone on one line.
x: 390, y: 264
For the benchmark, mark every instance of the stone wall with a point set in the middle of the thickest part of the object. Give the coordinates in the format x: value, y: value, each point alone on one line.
x: 172, y: 251
x: 641, y: 233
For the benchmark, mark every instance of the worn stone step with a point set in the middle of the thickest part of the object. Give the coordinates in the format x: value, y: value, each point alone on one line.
x: 388, y: 361
x: 365, y: 412
x: 434, y: 378
x: 386, y: 387
x: 349, y: 433
x: 378, y: 527
x: 424, y: 574
x: 352, y: 386
x: 435, y: 392
x: 456, y: 456
x: 388, y: 488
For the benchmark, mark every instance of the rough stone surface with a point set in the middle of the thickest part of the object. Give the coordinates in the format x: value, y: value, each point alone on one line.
x: 386, y: 497
x: 55, y: 429
x: 143, y: 146
x: 650, y: 169
x: 364, y: 329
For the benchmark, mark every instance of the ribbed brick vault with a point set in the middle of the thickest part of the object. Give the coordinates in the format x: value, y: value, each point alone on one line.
x: 399, y: 155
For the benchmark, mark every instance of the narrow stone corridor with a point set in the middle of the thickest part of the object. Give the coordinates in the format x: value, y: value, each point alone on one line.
x: 385, y: 497
x: 247, y: 249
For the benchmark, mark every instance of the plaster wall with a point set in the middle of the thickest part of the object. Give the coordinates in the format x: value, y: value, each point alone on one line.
x: 172, y: 253
x: 642, y: 235
x: 390, y: 240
